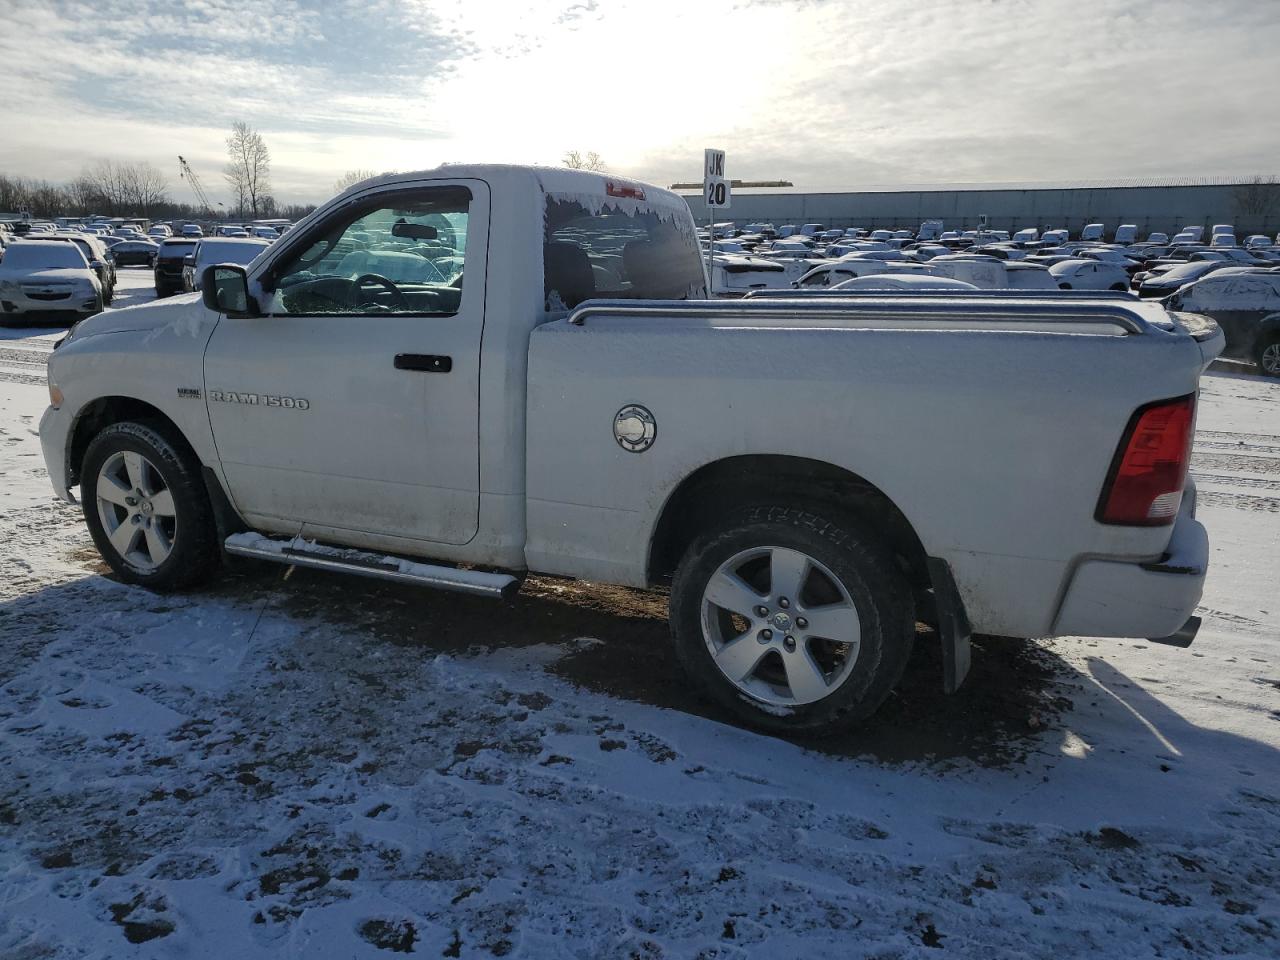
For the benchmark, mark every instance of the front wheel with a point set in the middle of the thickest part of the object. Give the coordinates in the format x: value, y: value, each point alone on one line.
x: 1268, y: 359
x: 146, y: 506
x: 794, y: 621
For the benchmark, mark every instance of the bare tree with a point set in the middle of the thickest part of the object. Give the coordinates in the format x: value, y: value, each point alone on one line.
x: 111, y: 182
x: 351, y: 178
x: 248, y: 170
x: 575, y: 160
x: 148, y: 187
x: 83, y: 194
x: 1260, y: 197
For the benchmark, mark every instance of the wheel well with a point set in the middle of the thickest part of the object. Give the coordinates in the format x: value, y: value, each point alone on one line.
x: 709, y: 494
x: 102, y: 413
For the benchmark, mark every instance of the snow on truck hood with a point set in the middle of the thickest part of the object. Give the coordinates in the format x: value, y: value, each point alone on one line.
x: 181, y: 314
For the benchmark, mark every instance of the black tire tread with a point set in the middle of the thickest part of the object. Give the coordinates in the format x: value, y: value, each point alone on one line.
x: 196, y: 555
x: 890, y: 623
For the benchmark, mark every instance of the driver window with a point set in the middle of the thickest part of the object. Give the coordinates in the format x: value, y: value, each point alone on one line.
x: 397, y: 253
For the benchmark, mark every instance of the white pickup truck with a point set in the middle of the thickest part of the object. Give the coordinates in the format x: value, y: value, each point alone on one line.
x: 810, y: 476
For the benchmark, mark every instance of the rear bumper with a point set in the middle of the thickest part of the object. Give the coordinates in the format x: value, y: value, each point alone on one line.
x: 1110, y: 598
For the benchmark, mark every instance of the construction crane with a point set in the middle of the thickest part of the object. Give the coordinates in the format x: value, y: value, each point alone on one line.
x: 184, y: 170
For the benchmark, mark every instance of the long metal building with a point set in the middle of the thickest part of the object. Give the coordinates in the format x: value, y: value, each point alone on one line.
x: 1252, y: 206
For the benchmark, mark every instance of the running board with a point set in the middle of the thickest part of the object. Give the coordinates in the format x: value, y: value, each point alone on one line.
x: 305, y: 553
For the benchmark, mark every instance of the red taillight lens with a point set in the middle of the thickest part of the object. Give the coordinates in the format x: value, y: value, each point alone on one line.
x: 1144, y: 487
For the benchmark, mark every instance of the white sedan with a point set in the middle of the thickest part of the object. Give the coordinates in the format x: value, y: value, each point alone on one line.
x: 1089, y: 275
x: 47, y: 277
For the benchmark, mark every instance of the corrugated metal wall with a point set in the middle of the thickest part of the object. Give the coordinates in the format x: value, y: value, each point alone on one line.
x: 1164, y: 208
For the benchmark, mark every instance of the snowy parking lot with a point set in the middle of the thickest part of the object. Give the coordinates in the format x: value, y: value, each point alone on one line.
x: 297, y: 764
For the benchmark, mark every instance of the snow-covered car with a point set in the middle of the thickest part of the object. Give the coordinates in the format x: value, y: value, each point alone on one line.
x: 1245, y: 303
x: 1158, y: 238
x: 1126, y: 233
x: 738, y: 274
x: 47, y: 277
x: 192, y: 230
x: 832, y: 274
x: 774, y: 463
x: 930, y: 230
x: 986, y: 273
x: 266, y: 233
x: 1020, y: 275
x: 1089, y: 275
x: 1112, y: 256
x: 211, y: 250
x: 99, y: 256
x: 135, y: 253
x: 160, y: 231
x: 902, y: 282
x: 1163, y: 281
x: 169, y: 263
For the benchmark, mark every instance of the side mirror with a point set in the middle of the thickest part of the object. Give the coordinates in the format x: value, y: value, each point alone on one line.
x: 189, y: 260
x: 224, y: 288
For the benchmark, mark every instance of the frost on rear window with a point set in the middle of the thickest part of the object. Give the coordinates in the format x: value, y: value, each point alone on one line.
x: 598, y: 247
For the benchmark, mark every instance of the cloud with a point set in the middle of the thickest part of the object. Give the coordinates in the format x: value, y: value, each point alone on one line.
x: 827, y: 94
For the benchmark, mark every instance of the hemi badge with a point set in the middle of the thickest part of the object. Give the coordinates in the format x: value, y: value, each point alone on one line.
x: 189, y: 393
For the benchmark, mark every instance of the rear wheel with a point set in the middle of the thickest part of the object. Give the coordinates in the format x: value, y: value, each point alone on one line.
x: 1268, y: 358
x: 146, y: 506
x: 793, y: 621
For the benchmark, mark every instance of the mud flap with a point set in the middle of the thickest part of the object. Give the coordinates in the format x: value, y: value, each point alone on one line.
x: 953, y: 625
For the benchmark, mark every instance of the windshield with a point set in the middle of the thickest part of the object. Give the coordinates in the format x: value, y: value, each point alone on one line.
x: 48, y: 255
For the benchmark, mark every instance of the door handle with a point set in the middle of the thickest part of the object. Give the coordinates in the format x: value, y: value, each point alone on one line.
x: 424, y: 362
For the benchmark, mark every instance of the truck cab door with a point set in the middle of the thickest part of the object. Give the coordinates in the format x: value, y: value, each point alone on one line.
x: 350, y: 408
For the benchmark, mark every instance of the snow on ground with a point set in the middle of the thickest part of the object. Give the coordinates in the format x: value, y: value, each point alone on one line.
x: 314, y: 766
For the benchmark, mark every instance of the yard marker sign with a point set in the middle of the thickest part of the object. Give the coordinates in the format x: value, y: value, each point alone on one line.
x: 715, y: 190
x: 714, y: 186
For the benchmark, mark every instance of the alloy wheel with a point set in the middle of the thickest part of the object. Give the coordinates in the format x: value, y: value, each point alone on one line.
x: 137, y: 510
x: 780, y: 626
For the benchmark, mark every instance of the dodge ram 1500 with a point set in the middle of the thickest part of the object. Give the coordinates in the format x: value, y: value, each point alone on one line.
x: 456, y: 376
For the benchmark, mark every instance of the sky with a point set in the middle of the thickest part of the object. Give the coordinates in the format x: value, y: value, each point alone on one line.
x: 838, y: 94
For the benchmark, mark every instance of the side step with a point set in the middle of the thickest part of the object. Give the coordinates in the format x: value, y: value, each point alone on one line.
x: 305, y: 553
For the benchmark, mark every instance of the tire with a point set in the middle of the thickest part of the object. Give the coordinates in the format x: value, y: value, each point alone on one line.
x: 1268, y: 356
x: 128, y: 457
x: 792, y: 682
x: 1064, y: 286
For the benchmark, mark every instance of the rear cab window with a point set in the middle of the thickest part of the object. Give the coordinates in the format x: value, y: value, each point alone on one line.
x: 618, y: 245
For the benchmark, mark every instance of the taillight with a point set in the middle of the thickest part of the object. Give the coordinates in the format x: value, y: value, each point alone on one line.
x: 1144, y: 486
